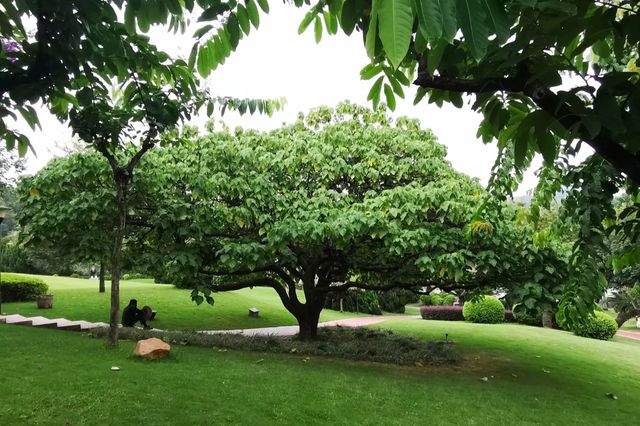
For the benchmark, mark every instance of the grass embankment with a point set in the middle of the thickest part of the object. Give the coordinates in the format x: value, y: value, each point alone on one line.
x: 78, y: 299
x: 55, y: 377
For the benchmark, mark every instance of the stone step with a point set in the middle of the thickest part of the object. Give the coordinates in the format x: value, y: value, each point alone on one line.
x: 17, y: 320
x: 65, y: 324
x: 43, y: 322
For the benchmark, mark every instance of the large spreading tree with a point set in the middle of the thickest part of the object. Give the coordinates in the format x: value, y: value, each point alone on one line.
x: 341, y: 199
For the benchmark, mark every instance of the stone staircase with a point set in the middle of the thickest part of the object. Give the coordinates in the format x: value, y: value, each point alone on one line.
x: 57, y: 323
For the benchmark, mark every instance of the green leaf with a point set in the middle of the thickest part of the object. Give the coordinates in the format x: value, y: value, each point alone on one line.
x: 391, y: 99
x: 374, y: 92
x: 351, y: 14
x: 264, y: 5
x: 233, y: 27
x: 497, y: 18
x: 546, y: 145
x: 472, y: 20
x: 608, y: 111
x: 521, y: 144
x: 213, y: 12
x: 254, y: 15
x: 243, y: 19
x: 30, y: 116
x: 434, y: 56
x: 369, y: 71
x: 430, y: 22
x: 370, y: 40
x: 129, y: 19
x: 205, y: 59
x: 306, y: 21
x: 202, y: 31
x: 421, y: 92
x: 317, y: 29
x: 395, y: 19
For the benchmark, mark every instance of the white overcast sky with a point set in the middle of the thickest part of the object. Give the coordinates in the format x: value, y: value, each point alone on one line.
x: 274, y: 61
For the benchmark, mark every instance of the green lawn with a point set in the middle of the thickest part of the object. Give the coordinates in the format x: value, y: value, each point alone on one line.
x: 50, y: 377
x: 78, y: 299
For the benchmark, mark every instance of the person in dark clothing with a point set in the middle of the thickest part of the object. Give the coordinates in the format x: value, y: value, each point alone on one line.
x: 131, y: 315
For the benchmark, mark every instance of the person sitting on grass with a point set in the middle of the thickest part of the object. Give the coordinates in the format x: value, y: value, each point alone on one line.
x: 131, y: 315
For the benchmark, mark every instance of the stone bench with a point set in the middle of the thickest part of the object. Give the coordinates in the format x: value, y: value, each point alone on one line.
x: 254, y: 312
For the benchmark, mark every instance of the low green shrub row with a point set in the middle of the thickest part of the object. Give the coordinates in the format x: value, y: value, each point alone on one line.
x: 21, y: 288
x: 437, y: 299
x: 358, y: 344
x: 134, y: 276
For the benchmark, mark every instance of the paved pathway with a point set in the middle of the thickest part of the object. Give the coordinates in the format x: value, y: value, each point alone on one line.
x: 287, y: 330
x: 630, y: 334
x: 290, y: 330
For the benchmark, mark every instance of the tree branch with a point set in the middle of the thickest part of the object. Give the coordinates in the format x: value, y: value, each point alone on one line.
x: 619, y: 157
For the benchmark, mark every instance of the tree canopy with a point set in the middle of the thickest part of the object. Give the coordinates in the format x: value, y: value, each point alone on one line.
x: 341, y: 199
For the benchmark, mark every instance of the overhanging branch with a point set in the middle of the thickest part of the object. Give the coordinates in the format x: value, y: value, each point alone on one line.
x: 619, y: 157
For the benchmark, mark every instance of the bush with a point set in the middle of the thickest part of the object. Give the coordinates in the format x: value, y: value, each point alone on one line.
x: 20, y: 288
x: 598, y: 326
x: 425, y: 299
x: 437, y: 299
x: 521, y: 316
x: 395, y: 300
x: 486, y: 310
x: 354, y: 300
x: 449, y: 300
x: 442, y: 313
x: 74, y: 275
x: 133, y: 276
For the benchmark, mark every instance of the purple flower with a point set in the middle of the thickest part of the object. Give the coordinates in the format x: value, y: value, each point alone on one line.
x: 10, y: 46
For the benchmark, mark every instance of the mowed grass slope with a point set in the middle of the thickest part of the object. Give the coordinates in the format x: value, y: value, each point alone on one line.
x: 78, y: 299
x: 56, y: 377
x: 533, y: 364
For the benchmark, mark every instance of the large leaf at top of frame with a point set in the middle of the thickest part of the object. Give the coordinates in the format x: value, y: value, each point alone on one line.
x: 395, y: 21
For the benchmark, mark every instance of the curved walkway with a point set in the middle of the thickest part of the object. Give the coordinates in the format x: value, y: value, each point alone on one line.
x: 630, y: 334
x: 291, y: 330
x: 287, y: 330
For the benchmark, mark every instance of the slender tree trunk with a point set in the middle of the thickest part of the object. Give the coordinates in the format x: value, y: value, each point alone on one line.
x: 101, y: 278
x: 625, y: 315
x: 116, y: 257
x: 547, y: 319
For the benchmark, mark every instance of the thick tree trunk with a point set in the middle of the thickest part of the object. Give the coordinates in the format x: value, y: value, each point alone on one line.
x: 101, y: 286
x: 116, y: 257
x: 308, y: 323
x: 625, y: 315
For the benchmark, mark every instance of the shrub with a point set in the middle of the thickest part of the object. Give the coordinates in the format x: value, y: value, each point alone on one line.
x: 443, y: 313
x: 74, y: 275
x: 21, y: 288
x: 354, y: 300
x: 425, y: 299
x: 449, y: 300
x: 598, y: 326
x: 133, y: 276
x: 487, y: 310
x: 523, y: 317
x: 394, y: 300
x: 437, y: 299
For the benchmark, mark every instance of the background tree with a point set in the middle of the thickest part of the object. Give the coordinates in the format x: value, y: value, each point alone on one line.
x: 341, y: 199
x: 67, y: 207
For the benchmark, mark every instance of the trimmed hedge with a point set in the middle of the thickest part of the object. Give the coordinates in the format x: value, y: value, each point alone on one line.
x: 442, y: 313
x: 21, y: 288
x: 599, y: 326
x: 134, y: 276
x: 485, y: 310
